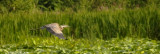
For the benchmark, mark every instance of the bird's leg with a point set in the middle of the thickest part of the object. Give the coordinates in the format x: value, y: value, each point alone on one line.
x: 39, y: 28
x: 42, y: 27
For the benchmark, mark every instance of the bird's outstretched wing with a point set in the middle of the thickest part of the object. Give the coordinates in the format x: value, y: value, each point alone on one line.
x: 55, y: 30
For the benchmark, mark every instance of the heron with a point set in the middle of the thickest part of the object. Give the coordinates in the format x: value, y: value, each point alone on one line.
x: 55, y: 29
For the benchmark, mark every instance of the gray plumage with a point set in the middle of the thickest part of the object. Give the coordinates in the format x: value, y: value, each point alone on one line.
x: 55, y: 29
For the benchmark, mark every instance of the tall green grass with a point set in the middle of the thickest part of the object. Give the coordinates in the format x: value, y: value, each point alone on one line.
x: 140, y: 22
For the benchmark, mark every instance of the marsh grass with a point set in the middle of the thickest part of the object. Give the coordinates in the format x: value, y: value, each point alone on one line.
x: 88, y: 32
x: 103, y: 24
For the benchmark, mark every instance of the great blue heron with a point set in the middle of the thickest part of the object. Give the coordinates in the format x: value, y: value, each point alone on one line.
x: 55, y: 29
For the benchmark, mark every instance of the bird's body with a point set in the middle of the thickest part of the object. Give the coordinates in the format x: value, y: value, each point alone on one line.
x: 55, y: 29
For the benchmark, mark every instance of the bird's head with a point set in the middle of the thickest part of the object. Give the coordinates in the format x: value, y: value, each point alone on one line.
x: 63, y: 26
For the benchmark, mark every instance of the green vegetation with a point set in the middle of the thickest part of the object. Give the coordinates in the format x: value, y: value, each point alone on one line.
x: 103, y: 26
x: 76, y: 46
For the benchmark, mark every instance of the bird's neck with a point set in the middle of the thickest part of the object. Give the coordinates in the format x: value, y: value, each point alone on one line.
x: 61, y: 28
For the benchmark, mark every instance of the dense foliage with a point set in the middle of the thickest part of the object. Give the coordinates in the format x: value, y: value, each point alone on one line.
x: 74, y: 5
x: 83, y: 46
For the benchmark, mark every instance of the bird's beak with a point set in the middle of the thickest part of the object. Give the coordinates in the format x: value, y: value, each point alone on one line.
x: 65, y: 26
